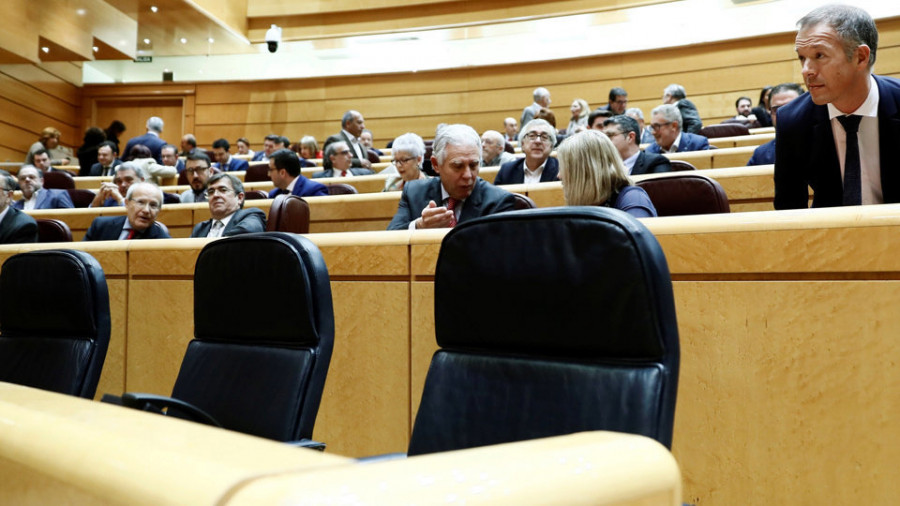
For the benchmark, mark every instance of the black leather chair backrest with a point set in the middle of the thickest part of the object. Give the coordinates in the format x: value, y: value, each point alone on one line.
x: 51, y: 230
x: 255, y: 195
x: 724, y: 130
x: 523, y: 202
x: 288, y: 213
x: 258, y: 364
x: 681, y: 165
x: 54, y: 321
x: 81, y: 197
x: 581, y: 332
x: 341, y: 189
x: 685, y: 193
x: 257, y: 171
x: 59, y: 180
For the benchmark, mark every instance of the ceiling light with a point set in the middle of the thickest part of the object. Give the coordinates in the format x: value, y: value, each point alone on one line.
x: 146, y: 41
x: 96, y: 49
x: 81, y: 12
x: 45, y: 49
x: 211, y: 40
x: 153, y: 8
x: 183, y: 40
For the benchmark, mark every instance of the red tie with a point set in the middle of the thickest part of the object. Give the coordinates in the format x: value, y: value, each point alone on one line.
x: 451, y: 205
x: 343, y: 173
x: 130, y: 234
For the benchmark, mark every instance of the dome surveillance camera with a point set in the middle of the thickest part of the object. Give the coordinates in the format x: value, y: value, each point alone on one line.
x: 273, y: 38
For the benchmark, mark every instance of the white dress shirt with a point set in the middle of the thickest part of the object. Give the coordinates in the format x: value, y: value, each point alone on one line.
x: 869, y: 152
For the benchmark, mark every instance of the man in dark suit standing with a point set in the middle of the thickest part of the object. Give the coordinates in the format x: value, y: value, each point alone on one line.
x: 35, y: 196
x: 840, y: 138
x: 107, y: 160
x: 226, y: 162
x: 142, y: 204
x: 15, y: 226
x: 284, y: 171
x: 150, y: 139
x: 352, y: 125
x: 458, y: 194
x: 666, y: 125
x: 536, y: 139
x: 340, y: 158
x: 780, y: 96
x: 226, y: 200
x: 624, y: 132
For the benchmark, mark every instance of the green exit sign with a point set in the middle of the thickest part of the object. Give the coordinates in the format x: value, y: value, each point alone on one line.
x: 143, y: 59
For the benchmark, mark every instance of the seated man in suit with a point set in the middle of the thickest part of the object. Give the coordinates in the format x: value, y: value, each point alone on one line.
x: 142, y: 204
x: 113, y: 194
x: 151, y: 139
x: 597, y: 117
x: 674, y: 94
x: 340, y: 161
x: 188, y: 144
x: 536, y: 140
x: 107, y: 160
x: 510, y: 129
x: 624, y: 133
x: 618, y: 101
x: 31, y: 182
x: 197, y: 168
x: 780, y: 95
x: 271, y: 144
x: 169, y: 155
x: 284, y: 171
x: 493, y: 149
x: 15, y: 225
x: 666, y: 125
x: 226, y: 162
x: 42, y: 161
x: 226, y: 200
x: 636, y: 114
x: 352, y: 126
x: 458, y: 194
x: 366, y: 139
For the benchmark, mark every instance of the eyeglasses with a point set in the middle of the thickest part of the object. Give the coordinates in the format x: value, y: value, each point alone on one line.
x: 544, y: 138
x: 774, y: 109
x: 612, y: 133
x: 656, y: 126
x: 196, y: 170
x: 401, y: 161
x: 344, y: 152
x: 218, y: 189
x: 140, y: 203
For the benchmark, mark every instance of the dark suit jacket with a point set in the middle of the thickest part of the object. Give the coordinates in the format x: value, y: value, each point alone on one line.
x: 763, y: 155
x: 690, y: 117
x: 689, y: 142
x: 97, y: 169
x: 330, y: 173
x: 244, y: 221
x: 806, y: 155
x: 304, y: 188
x: 649, y: 163
x: 258, y: 156
x: 151, y: 141
x: 514, y: 172
x: 49, y: 199
x: 234, y: 164
x: 109, y: 228
x: 485, y: 199
x: 17, y: 227
x: 341, y: 137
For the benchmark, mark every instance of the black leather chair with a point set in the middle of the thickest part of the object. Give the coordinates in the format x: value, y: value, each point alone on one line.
x: 685, y: 193
x: 341, y: 189
x: 681, y: 165
x: 261, y: 371
x: 51, y: 230
x: 81, y: 198
x: 255, y: 195
x: 257, y: 171
x: 62, y: 347
x: 581, y: 334
x: 523, y: 202
x: 59, y: 180
x: 724, y: 129
x: 288, y: 213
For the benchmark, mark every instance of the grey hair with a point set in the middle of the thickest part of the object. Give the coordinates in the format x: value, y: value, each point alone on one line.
x: 668, y: 111
x: 333, y: 147
x: 537, y: 124
x: 236, y: 184
x: 348, y: 116
x: 409, y: 143
x: 853, y: 25
x: 136, y: 167
x: 495, y: 136
x: 675, y: 91
x: 9, y: 181
x: 157, y: 189
x: 540, y: 93
x: 155, y: 123
x: 457, y: 135
x: 635, y: 112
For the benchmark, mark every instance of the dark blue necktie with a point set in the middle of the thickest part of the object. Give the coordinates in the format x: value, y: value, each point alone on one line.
x: 852, y: 178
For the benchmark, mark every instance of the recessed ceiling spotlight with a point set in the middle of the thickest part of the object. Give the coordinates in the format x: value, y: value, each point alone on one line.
x: 211, y: 40
x: 183, y: 40
x: 96, y: 49
x: 45, y: 49
x: 81, y: 12
x: 146, y: 41
x: 153, y: 8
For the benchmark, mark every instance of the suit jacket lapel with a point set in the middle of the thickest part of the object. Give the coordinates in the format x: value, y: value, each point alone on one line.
x: 41, y: 197
x: 888, y: 133
x: 472, y: 205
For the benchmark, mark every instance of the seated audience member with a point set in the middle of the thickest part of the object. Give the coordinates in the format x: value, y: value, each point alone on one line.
x: 541, y: 99
x: 284, y: 171
x: 188, y: 144
x: 510, y: 130
x: 592, y: 174
x: 226, y: 162
x: 761, y: 111
x: 243, y: 147
x: 408, y: 152
x: 536, y: 140
x: 669, y: 138
x: 151, y: 139
x: 309, y: 148
x: 780, y: 96
x: 623, y: 132
x: 340, y: 159
x: 226, y: 201
x: 87, y: 153
x: 114, y: 132
x: 493, y: 149
x: 674, y: 94
x: 285, y: 143
x: 546, y: 115
x: 271, y: 144
x: 42, y: 160
x: 15, y: 225
x: 107, y: 160
x: 35, y: 196
x: 197, y: 169
x: 618, y: 102
x: 580, y: 111
x: 142, y: 204
x: 596, y: 119
x: 636, y: 114
x: 745, y: 116
x: 49, y: 142
x: 352, y: 126
x: 113, y: 194
x: 366, y: 139
x: 153, y: 170
x: 169, y: 155
x: 458, y: 194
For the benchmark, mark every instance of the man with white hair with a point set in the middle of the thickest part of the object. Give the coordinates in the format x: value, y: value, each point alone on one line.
x: 638, y: 115
x: 674, y: 94
x: 150, y: 139
x: 536, y: 140
x: 541, y: 99
x: 668, y: 135
x: 458, y: 194
x: 142, y: 204
x: 493, y: 149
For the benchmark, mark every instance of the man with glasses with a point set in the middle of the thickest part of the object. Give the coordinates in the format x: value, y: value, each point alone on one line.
x: 15, y: 225
x: 226, y: 201
x: 284, y: 171
x: 666, y: 126
x: 624, y: 133
x: 536, y: 140
x: 493, y: 149
x: 341, y: 162
x: 618, y: 101
x: 197, y: 169
x: 780, y: 95
x: 142, y: 204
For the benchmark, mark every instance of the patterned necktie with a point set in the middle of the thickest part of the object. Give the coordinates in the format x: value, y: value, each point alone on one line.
x: 451, y: 205
x: 852, y: 177
x: 217, y: 229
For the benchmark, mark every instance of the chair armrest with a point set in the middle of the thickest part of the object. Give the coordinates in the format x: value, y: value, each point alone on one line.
x: 162, y: 405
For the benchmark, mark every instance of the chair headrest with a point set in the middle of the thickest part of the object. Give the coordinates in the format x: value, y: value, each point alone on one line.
x: 569, y: 282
